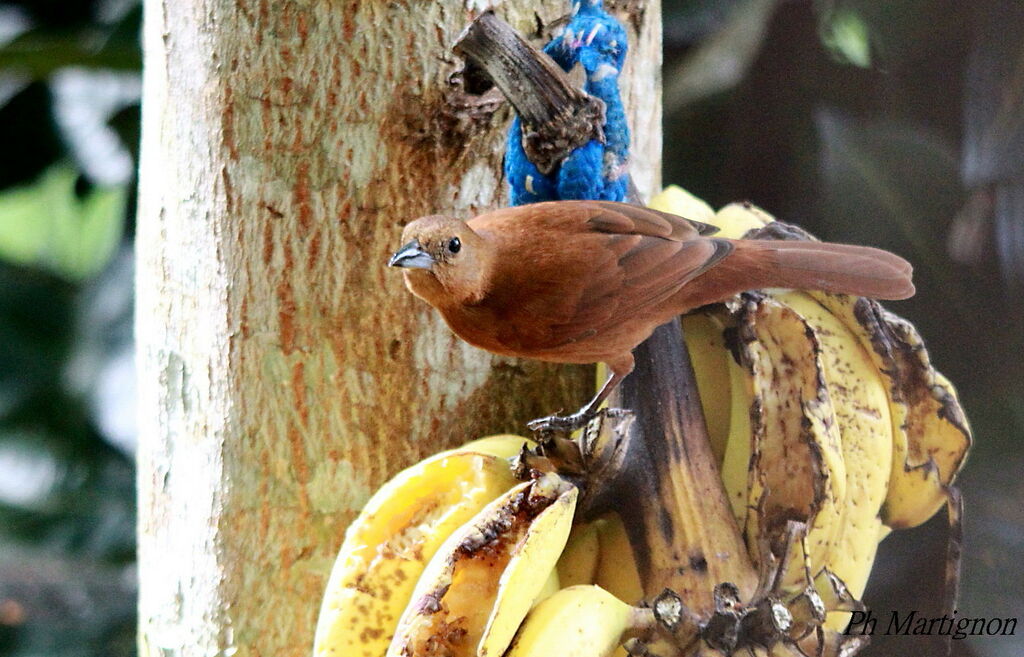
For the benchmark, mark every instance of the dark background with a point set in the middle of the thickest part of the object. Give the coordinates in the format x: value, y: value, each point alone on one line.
x: 898, y: 124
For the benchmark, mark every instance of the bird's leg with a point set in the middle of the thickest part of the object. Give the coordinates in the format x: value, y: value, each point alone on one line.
x: 577, y: 420
x: 581, y: 417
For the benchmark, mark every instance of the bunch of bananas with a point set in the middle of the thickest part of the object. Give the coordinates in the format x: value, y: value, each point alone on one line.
x: 829, y: 427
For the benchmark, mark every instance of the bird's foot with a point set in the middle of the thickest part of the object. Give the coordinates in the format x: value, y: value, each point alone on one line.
x: 560, y: 423
x: 570, y: 423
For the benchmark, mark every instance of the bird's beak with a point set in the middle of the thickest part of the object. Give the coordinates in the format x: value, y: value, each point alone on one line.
x: 413, y: 256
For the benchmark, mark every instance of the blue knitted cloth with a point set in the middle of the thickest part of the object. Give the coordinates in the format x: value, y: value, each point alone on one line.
x: 595, y: 171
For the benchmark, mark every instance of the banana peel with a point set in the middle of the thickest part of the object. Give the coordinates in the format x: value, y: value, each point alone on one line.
x: 931, y: 435
x: 395, y: 536
x: 878, y: 434
x: 481, y: 583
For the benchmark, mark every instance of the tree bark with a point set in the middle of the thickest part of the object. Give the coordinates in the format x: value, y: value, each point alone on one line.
x: 284, y: 372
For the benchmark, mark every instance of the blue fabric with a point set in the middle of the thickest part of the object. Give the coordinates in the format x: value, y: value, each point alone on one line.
x: 526, y: 183
x: 596, y: 171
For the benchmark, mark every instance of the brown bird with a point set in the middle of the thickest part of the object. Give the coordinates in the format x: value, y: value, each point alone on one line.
x: 587, y: 281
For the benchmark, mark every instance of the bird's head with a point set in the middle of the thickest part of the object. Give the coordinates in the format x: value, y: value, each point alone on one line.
x: 444, y: 260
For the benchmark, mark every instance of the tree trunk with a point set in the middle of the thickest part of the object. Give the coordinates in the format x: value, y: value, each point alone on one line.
x: 284, y: 371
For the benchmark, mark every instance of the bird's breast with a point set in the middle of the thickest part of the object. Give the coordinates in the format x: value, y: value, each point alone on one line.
x: 523, y: 335
x: 480, y: 327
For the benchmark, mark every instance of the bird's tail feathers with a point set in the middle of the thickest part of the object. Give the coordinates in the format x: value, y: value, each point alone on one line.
x: 839, y: 268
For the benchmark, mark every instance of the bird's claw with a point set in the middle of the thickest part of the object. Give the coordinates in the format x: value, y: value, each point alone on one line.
x: 558, y: 423
x: 569, y: 423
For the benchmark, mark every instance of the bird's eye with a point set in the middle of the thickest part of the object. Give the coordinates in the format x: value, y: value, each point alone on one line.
x: 454, y: 245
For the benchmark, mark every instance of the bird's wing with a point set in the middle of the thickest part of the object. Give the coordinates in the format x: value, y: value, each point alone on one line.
x: 623, y: 218
x: 644, y: 277
x: 591, y: 265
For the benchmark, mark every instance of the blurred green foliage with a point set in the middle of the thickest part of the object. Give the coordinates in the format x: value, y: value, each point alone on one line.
x: 845, y: 33
x: 47, y: 224
x: 846, y: 116
x: 68, y: 110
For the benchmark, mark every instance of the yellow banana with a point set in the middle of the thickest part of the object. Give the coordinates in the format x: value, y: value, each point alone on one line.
x: 705, y: 341
x: 472, y: 597
x: 578, y: 621
x: 736, y: 472
x: 552, y: 585
x: 931, y: 435
x: 387, y: 547
x: 678, y: 201
x: 617, y: 572
x: 882, y: 432
x: 930, y: 432
x: 536, y: 554
x: 502, y: 445
x: 578, y: 563
x: 832, y: 415
x: 800, y: 472
x: 862, y: 412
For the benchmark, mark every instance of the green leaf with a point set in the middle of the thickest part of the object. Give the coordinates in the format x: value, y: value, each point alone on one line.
x: 845, y: 33
x: 899, y: 31
x: 48, y: 225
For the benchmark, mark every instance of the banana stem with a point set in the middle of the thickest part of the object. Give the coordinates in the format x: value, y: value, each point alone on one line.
x: 954, y: 555
x: 669, y: 491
